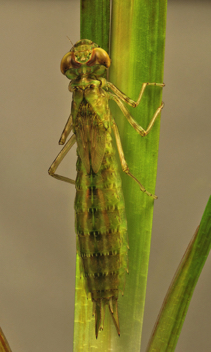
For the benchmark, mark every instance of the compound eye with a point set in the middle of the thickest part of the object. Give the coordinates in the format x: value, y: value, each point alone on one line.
x: 68, y: 62
x: 99, y: 57
x: 75, y: 64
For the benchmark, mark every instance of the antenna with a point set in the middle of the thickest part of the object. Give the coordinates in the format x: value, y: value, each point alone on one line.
x: 69, y: 40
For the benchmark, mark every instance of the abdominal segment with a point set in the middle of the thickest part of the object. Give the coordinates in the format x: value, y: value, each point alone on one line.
x: 101, y: 229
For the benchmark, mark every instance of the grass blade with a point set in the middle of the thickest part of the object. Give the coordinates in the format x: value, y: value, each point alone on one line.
x: 137, y: 53
x: 95, y: 21
x: 174, y: 309
x: 138, y: 32
x: 95, y: 25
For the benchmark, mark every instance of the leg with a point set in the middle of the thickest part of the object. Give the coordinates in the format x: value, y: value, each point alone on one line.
x: 124, y: 165
x: 59, y: 159
x: 133, y: 123
x: 129, y: 101
x: 67, y: 129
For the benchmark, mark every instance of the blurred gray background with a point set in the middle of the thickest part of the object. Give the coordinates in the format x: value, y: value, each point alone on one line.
x: 37, y: 251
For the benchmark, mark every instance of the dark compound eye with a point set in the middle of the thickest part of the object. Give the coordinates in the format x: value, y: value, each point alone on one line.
x: 99, y: 57
x: 68, y: 62
x: 74, y: 63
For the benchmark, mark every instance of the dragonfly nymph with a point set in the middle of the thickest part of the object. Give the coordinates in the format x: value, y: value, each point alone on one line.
x: 101, y: 224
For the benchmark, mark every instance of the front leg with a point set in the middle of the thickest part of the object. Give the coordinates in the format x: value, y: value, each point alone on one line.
x: 125, y: 98
x: 59, y: 159
x: 123, y: 162
x: 130, y: 119
x: 67, y: 129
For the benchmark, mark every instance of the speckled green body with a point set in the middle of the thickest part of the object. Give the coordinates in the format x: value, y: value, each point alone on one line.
x: 101, y: 225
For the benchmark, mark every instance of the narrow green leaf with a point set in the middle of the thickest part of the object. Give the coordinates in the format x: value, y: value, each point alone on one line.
x: 174, y: 309
x: 95, y: 25
x: 137, y: 53
x: 95, y: 21
x: 138, y: 32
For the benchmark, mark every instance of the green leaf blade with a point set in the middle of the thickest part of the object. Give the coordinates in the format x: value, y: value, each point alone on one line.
x: 137, y: 53
x: 95, y: 21
x: 95, y: 26
x: 135, y: 61
x: 174, y: 309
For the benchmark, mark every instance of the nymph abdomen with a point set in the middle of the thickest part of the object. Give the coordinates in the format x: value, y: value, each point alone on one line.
x: 101, y: 229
